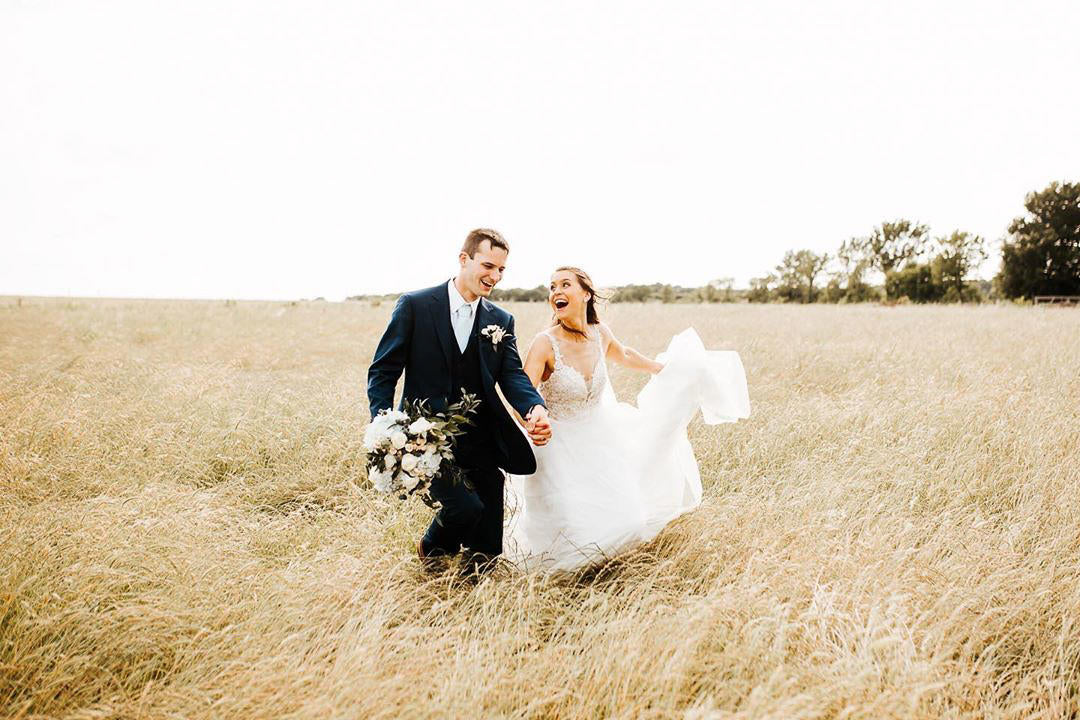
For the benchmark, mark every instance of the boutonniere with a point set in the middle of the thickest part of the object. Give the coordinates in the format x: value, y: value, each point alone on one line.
x: 495, y: 334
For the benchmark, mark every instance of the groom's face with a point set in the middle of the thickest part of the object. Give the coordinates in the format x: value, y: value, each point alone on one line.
x: 483, y: 271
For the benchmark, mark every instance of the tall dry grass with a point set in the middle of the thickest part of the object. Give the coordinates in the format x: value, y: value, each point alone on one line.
x: 185, y: 529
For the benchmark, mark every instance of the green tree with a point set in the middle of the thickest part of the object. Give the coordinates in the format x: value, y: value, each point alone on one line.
x: 536, y: 294
x: 914, y: 281
x: 959, y: 254
x: 719, y: 290
x: 855, y: 262
x: 834, y: 289
x: 892, y: 244
x: 797, y: 273
x: 723, y: 289
x: 1041, y: 256
x: 632, y: 293
x: 762, y: 289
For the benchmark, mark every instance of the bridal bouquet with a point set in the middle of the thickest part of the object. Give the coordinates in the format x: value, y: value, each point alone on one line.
x: 407, y: 449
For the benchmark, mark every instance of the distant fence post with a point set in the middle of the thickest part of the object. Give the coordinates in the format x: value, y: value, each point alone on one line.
x: 1057, y: 299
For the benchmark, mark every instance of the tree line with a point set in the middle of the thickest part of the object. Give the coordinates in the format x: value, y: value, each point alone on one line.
x: 912, y: 264
x: 901, y: 261
x: 717, y: 291
x: 1040, y: 256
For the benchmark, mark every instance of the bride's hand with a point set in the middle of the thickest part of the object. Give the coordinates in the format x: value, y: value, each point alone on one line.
x: 538, y: 427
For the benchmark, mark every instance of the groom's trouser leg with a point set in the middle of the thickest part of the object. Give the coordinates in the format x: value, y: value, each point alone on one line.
x: 487, y: 534
x: 460, y: 512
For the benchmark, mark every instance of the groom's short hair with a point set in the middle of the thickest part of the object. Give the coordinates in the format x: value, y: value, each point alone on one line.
x: 472, y: 242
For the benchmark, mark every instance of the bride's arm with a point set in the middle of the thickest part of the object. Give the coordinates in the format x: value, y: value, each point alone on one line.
x: 540, y: 361
x: 627, y: 356
x: 538, y: 365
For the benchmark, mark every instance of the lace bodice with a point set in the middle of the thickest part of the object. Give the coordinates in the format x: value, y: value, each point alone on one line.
x: 565, y: 392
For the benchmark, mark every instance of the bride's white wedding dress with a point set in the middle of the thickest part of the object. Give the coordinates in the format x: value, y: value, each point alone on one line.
x: 613, y: 475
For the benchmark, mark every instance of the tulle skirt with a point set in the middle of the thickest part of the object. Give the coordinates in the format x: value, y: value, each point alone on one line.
x: 615, y: 475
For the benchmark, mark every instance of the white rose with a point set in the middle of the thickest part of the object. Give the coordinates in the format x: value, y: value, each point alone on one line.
x: 408, y: 462
x: 430, y: 462
x: 383, y: 481
x: 408, y: 481
x: 398, y: 439
x: 390, y: 459
x: 421, y: 426
x: 376, y: 432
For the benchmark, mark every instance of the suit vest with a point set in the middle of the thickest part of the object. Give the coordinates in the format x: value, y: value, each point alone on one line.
x: 476, y: 448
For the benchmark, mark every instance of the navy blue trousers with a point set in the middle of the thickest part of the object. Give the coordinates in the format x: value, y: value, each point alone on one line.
x: 470, y: 518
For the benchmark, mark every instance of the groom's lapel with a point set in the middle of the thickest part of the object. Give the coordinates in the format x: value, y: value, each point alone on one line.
x: 483, y: 312
x: 440, y: 316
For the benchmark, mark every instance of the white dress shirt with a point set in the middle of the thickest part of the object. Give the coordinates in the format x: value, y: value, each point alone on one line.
x: 462, y: 314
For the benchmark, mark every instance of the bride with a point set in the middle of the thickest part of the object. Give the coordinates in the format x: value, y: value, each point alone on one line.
x: 612, y: 475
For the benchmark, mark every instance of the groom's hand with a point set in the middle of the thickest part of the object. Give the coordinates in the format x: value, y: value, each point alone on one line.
x: 538, y: 426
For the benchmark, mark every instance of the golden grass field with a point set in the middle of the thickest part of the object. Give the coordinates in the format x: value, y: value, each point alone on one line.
x: 186, y: 529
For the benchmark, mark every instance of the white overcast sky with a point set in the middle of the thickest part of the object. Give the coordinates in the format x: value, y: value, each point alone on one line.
x: 267, y: 149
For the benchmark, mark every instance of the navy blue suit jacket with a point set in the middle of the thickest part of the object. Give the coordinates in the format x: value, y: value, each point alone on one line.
x: 418, y: 341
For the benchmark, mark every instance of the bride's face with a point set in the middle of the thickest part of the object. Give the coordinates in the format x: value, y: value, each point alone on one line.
x: 568, y: 299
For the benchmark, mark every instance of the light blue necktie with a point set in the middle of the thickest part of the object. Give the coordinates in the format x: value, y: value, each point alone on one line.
x: 463, y: 325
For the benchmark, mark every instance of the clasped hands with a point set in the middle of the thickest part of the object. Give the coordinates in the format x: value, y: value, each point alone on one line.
x: 538, y: 426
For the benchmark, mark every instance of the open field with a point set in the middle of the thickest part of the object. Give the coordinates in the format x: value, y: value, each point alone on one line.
x: 185, y: 529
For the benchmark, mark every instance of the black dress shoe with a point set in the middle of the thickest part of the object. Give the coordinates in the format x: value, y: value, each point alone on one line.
x: 430, y: 564
x: 480, y: 564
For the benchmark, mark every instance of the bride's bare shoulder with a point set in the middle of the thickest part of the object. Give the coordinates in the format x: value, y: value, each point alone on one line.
x: 541, y: 342
x: 611, y: 343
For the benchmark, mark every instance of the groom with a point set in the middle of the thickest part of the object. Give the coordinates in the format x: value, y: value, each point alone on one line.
x: 436, y: 336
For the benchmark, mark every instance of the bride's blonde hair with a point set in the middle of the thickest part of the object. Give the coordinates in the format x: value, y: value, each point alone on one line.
x: 586, y: 283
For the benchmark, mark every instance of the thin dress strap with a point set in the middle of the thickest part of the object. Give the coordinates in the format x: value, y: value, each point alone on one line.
x: 599, y: 366
x: 554, y: 346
